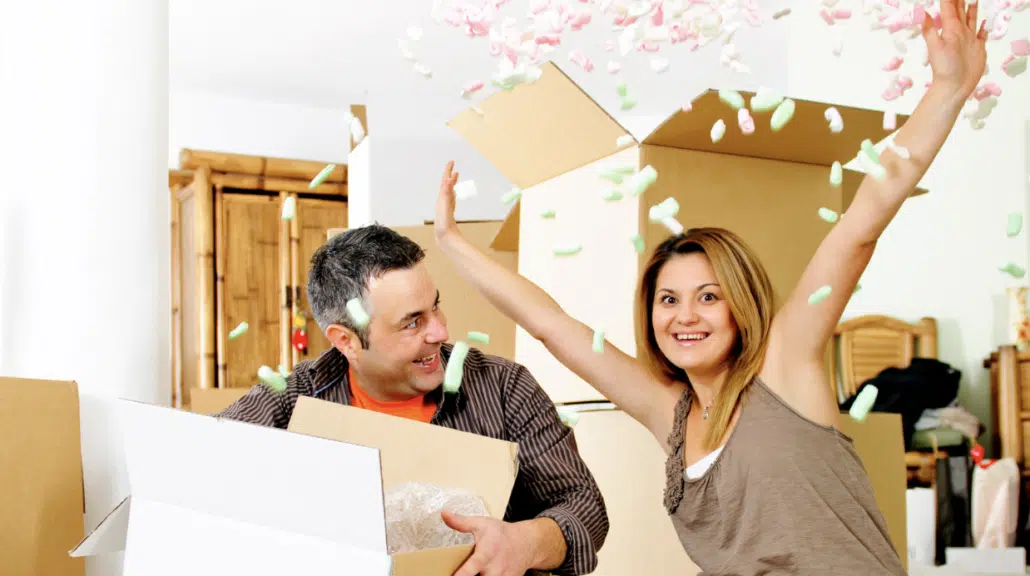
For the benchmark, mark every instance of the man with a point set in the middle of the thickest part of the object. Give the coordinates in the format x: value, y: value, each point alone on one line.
x: 556, y: 518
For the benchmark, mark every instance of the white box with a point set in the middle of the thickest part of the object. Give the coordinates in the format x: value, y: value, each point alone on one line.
x: 215, y: 497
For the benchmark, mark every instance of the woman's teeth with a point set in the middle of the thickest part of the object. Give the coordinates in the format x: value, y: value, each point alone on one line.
x: 683, y: 337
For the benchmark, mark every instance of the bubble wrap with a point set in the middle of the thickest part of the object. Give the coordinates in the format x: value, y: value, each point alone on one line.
x: 413, y: 519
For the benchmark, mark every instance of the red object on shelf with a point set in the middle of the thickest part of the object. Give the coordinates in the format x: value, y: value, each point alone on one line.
x: 300, y: 340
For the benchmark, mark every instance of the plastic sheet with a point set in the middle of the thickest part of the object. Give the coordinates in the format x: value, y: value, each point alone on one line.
x: 413, y: 519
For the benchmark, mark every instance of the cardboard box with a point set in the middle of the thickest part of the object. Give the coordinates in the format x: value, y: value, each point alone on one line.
x: 214, y: 400
x: 629, y: 467
x: 553, y: 141
x: 214, y: 497
x: 880, y: 444
x: 465, y: 308
x: 418, y: 452
x: 41, y: 491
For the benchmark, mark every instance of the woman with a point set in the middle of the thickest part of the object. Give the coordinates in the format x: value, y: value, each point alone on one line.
x: 760, y: 481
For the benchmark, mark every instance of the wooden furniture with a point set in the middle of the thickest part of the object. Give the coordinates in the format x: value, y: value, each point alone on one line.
x: 234, y: 259
x: 865, y: 345
x: 1010, y: 389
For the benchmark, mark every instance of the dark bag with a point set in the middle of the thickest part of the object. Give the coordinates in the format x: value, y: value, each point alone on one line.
x: 925, y: 383
x: 954, y: 524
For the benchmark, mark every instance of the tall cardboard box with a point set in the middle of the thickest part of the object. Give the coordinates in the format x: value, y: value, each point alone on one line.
x: 41, y: 492
x: 553, y: 141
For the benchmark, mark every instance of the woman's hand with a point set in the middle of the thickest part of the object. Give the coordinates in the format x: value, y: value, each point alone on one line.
x: 444, y: 225
x: 957, y: 52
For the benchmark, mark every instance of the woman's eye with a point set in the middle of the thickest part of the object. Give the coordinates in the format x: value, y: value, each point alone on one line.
x: 668, y: 299
x: 708, y: 297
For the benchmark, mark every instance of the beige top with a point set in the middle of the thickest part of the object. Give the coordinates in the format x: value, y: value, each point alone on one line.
x: 785, y: 496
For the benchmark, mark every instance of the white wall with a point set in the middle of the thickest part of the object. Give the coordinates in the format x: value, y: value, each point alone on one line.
x: 941, y: 254
x: 210, y: 121
x: 83, y: 130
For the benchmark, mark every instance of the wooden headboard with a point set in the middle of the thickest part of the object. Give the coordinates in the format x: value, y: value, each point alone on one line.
x: 865, y: 345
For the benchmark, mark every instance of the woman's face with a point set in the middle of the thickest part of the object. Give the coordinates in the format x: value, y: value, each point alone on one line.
x: 693, y: 325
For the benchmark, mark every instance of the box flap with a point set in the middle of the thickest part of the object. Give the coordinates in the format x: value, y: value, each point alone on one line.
x: 507, y: 237
x: 253, y: 474
x: 214, y: 400
x: 41, y: 482
x: 417, y: 452
x: 109, y: 535
x: 168, y: 540
x: 433, y: 561
x: 806, y: 138
x: 540, y: 130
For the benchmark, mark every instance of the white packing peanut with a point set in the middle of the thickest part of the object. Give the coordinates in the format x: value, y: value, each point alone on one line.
x: 718, y: 130
x: 899, y: 150
x: 465, y: 189
x: 890, y: 120
x: 659, y: 65
x: 673, y: 225
x: 834, y: 117
x: 664, y: 209
x: 289, y: 208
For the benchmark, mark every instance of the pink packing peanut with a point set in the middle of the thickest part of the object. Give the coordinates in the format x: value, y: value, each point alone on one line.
x: 918, y: 15
x: 657, y: 16
x: 471, y: 88
x: 745, y: 121
x: 579, y: 58
x: 894, y: 64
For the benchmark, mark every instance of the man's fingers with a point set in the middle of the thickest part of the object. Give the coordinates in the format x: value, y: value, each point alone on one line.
x: 472, y: 567
x: 466, y: 524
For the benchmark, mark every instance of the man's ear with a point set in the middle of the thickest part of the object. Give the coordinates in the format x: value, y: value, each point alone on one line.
x: 343, y: 339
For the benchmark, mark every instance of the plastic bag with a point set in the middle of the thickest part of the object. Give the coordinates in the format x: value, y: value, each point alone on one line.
x: 413, y: 519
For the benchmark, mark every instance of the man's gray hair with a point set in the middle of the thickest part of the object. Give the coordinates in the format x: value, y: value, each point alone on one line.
x: 342, y: 268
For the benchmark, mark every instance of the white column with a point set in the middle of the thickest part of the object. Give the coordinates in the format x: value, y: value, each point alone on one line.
x: 83, y: 158
x: 359, y: 184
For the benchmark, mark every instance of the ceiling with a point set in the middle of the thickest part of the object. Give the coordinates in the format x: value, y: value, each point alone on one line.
x: 331, y: 53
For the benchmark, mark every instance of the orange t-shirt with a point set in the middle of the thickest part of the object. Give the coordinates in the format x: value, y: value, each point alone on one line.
x: 419, y: 408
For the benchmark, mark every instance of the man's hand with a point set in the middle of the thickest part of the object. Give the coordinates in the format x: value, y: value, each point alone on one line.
x: 503, y: 548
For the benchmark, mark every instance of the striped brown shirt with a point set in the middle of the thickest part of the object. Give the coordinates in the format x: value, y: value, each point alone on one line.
x: 499, y: 399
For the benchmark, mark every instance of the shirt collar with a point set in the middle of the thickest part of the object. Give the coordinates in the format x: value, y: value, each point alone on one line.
x: 330, y: 370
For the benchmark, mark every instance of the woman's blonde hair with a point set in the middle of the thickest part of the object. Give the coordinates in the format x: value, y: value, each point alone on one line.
x: 750, y: 296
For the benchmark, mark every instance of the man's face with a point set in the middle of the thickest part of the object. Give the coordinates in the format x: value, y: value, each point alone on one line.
x: 403, y: 356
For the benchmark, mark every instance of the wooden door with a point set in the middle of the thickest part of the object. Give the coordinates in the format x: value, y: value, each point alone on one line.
x: 310, y: 228
x: 249, y: 287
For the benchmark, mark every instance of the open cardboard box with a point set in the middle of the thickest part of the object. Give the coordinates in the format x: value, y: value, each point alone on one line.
x: 215, y: 497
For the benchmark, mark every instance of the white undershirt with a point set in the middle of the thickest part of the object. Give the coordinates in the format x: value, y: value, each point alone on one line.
x: 698, y: 469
